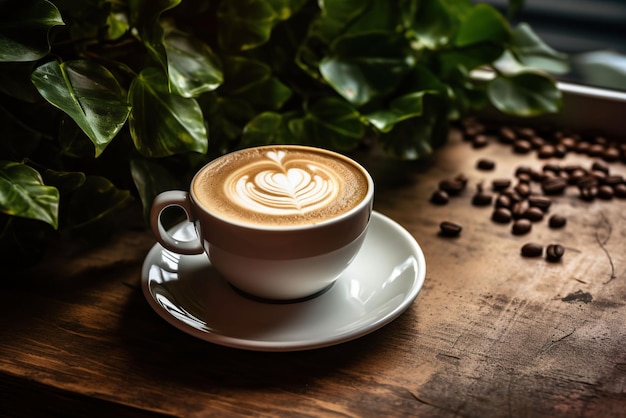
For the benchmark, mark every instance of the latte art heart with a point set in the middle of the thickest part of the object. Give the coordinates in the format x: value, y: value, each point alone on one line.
x: 284, y: 187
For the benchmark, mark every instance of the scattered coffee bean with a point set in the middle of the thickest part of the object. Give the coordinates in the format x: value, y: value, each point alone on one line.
x: 620, y: 191
x: 595, y: 150
x: 500, y: 184
x: 507, y: 135
x: 546, y: 151
x: 613, y: 180
x: 522, y: 146
x: 440, y: 197
x: 502, y: 215
x: 504, y: 201
x: 554, y: 252
x: 452, y: 187
x: 554, y: 186
x: 598, y: 166
x: 482, y: 199
x: 450, y: 229
x: 541, y: 202
x: 485, y: 164
x: 611, y: 154
x: 533, y: 214
x: 521, y: 226
x: 532, y: 249
x: 519, y: 209
x: 557, y: 221
x: 480, y: 141
x: 522, y: 189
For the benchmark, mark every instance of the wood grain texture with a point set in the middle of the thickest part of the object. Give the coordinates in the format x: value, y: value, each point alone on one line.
x: 491, y: 334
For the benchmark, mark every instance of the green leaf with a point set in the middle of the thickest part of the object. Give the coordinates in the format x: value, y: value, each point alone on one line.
x: 145, y: 16
x: 193, y: 67
x: 329, y: 123
x: 24, y: 27
x: 245, y: 24
x: 88, y: 93
x: 525, y: 94
x: 433, y: 25
x: 23, y: 194
x: 267, y: 128
x: 65, y: 181
x: 483, y: 24
x: 531, y: 51
x: 252, y: 81
x: 151, y: 178
x: 409, y: 105
x: 95, y: 207
x: 162, y: 123
x: 363, y: 67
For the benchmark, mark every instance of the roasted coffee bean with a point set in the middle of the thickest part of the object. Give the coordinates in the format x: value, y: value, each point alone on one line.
x: 613, y: 179
x: 595, y: 150
x: 526, y: 132
x: 554, y: 252
x: 560, y: 151
x: 450, y: 229
x: 482, y: 199
x: 507, y: 135
x: 605, y: 192
x: 576, y: 176
x: 504, y: 201
x: 554, y: 186
x: 557, y: 221
x: 532, y: 249
x: 461, y: 178
x: 587, y: 181
x: 588, y: 193
x: 568, y: 142
x: 541, y: 202
x: 546, y: 151
x: 533, y: 214
x: 524, y: 178
x: 537, y: 142
x: 620, y: 190
x: 552, y: 168
x: 522, y: 189
x: 599, y: 139
x: 521, y: 226
x: 440, y: 197
x: 582, y: 147
x: 598, y: 166
x: 452, y: 187
x: 519, y: 209
x: 501, y: 215
x: 611, y: 154
x: 522, y: 146
x: 500, y: 184
x: 485, y: 164
x: 480, y: 141
x: 523, y: 170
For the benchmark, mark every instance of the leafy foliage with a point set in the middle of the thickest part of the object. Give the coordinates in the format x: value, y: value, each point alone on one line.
x: 105, y: 101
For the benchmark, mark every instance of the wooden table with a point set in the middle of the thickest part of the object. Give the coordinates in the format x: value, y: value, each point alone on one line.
x: 492, y: 334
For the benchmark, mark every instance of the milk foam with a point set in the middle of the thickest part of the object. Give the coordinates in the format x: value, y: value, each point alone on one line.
x: 280, y: 186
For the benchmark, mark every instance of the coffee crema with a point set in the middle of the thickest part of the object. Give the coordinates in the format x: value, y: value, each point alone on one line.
x: 280, y: 186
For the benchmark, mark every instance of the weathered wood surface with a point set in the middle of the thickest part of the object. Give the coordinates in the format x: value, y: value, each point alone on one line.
x: 489, y: 335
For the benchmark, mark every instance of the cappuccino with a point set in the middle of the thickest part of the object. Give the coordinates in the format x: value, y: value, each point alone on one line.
x: 278, y: 186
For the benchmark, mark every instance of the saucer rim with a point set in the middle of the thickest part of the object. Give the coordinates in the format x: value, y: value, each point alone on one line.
x: 297, y: 344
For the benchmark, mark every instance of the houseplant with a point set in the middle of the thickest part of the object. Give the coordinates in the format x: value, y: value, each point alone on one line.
x: 103, y: 102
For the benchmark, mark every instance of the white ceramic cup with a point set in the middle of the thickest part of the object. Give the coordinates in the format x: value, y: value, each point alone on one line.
x: 278, y: 261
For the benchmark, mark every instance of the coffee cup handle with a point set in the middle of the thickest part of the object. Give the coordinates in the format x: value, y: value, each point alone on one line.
x: 167, y: 199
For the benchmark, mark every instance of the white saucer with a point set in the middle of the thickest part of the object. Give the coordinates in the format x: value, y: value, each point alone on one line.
x: 379, y: 285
